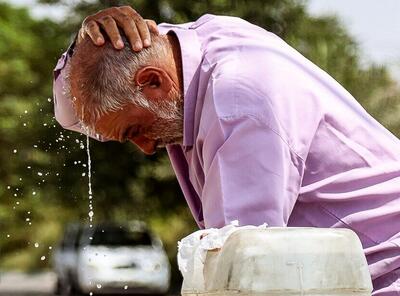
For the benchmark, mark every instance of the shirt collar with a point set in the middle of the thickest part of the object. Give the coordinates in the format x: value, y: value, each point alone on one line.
x: 191, y: 59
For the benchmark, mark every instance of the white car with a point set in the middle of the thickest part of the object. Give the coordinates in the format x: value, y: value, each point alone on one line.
x: 115, y: 259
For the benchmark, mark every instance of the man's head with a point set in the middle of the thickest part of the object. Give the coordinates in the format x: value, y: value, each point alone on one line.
x: 124, y: 95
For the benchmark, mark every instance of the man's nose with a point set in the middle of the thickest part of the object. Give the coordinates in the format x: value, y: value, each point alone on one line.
x: 147, y: 146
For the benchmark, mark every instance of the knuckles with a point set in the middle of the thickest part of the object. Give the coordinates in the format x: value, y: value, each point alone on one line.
x: 137, y: 18
x: 91, y: 25
x: 107, y: 19
x: 123, y: 15
x: 127, y: 9
x: 125, y: 18
x: 151, y: 23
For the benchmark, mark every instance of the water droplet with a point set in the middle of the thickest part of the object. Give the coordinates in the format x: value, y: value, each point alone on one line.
x: 15, y: 151
x: 90, y: 214
x: 36, y: 245
x: 8, y: 235
x: 126, y: 287
x: 27, y: 219
x: 98, y: 286
x: 26, y: 111
x: 43, y: 258
x: 40, y: 174
x: 48, y: 99
x: 34, y: 193
x: 83, y: 174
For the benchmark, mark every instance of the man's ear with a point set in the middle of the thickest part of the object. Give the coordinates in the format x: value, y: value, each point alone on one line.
x: 155, y: 82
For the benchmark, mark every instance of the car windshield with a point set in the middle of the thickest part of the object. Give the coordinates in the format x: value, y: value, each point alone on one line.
x: 119, y: 236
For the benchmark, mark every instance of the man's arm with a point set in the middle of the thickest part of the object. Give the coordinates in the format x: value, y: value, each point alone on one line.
x: 137, y: 31
x: 251, y: 174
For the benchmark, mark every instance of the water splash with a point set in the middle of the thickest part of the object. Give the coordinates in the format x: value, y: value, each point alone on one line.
x: 89, y: 170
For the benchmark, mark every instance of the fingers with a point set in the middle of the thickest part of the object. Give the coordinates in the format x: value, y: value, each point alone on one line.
x: 136, y: 29
x: 152, y: 26
x: 110, y: 27
x: 131, y: 33
x: 92, y: 29
x: 143, y: 30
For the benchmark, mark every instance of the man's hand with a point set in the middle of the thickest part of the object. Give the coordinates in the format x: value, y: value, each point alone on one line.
x: 136, y: 29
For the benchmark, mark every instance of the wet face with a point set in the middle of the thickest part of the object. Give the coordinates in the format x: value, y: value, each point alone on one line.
x: 151, y: 115
x: 146, y: 129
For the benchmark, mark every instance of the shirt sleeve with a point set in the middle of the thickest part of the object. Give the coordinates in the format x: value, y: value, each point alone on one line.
x: 251, y: 174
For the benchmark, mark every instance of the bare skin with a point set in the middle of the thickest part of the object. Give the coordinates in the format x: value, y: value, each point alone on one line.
x: 129, y: 124
x: 160, y: 84
x: 136, y: 29
x: 133, y: 123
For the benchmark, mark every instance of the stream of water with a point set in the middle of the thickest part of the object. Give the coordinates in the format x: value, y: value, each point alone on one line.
x: 91, y: 212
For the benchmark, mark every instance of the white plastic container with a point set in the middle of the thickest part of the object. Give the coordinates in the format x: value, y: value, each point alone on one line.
x: 286, y: 261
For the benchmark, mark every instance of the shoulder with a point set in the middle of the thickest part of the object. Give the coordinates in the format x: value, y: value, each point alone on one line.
x: 232, y: 92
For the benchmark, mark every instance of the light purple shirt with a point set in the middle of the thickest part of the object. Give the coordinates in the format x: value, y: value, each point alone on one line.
x: 270, y: 137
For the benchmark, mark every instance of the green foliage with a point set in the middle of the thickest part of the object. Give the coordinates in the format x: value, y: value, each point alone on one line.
x: 28, y: 51
x: 42, y: 182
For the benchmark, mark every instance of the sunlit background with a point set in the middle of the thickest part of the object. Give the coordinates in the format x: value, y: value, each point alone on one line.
x: 44, y: 172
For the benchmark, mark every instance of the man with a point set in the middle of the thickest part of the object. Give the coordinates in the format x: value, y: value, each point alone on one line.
x: 255, y: 132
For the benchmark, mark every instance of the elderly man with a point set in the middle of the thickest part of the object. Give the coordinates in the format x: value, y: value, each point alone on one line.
x: 255, y: 132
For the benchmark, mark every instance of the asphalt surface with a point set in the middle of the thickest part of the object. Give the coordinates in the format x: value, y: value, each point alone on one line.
x: 22, y: 284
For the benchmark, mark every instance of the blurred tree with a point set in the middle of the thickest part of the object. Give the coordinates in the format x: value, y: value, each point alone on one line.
x: 43, y: 180
x: 28, y: 50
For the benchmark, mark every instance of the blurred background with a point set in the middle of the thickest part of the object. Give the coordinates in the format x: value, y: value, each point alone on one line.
x: 43, y: 168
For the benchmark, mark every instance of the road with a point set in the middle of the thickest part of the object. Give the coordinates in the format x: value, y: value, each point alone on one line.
x: 21, y: 284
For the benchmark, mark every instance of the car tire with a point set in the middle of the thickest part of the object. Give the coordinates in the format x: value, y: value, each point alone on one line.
x: 57, y: 288
x: 76, y: 291
x: 66, y: 288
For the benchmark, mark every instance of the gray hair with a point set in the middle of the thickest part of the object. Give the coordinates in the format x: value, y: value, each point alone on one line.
x: 104, y: 77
